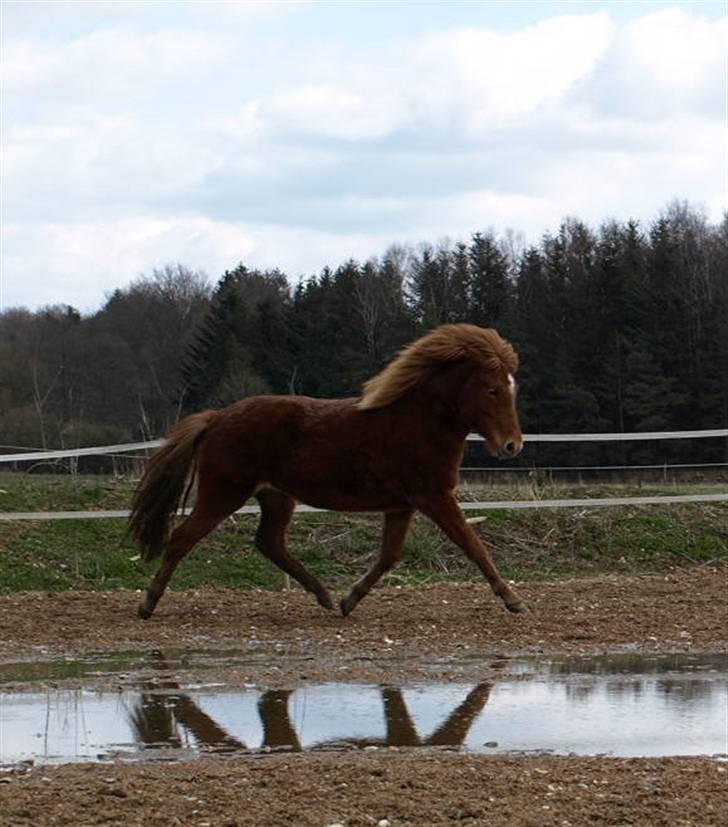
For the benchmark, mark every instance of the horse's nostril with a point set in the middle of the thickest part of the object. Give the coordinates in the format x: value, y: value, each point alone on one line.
x: 511, y: 448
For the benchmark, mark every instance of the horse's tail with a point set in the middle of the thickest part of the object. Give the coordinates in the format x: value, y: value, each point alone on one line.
x: 162, y: 485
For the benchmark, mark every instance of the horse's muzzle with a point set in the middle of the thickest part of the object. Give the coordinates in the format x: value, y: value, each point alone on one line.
x: 510, y: 449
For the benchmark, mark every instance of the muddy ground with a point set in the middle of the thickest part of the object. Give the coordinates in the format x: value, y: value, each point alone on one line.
x: 397, y: 634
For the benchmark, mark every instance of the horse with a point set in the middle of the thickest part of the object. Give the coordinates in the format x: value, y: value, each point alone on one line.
x: 395, y: 449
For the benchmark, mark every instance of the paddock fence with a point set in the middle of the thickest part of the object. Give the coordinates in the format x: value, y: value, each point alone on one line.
x: 142, y: 449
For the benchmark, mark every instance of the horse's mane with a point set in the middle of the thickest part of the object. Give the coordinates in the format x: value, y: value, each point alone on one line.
x: 447, y: 343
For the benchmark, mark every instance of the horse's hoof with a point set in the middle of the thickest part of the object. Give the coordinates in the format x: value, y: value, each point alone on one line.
x: 345, y: 606
x: 519, y: 607
x: 326, y: 602
x: 143, y: 612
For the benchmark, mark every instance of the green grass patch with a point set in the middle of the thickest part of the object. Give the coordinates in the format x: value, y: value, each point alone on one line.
x: 63, y: 492
x: 338, y: 548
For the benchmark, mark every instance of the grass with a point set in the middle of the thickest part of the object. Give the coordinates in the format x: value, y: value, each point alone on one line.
x: 533, y: 544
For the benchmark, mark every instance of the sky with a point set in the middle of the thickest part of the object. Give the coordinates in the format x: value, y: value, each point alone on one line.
x: 300, y: 134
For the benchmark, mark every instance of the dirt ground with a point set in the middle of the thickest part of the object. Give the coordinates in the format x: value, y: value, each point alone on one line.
x: 443, y: 631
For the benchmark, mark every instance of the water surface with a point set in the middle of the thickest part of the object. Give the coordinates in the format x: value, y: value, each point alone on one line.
x: 623, y: 705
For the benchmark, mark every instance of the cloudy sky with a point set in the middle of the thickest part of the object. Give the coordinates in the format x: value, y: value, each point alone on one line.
x: 298, y: 134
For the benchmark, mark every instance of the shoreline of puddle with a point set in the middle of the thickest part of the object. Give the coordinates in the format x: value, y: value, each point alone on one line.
x: 625, y: 704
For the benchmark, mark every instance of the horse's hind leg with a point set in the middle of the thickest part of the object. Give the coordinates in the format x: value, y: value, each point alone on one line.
x: 210, y: 509
x: 276, y: 510
x: 396, y: 525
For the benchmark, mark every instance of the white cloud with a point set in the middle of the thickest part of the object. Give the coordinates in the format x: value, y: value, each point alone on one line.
x: 25, y: 64
x: 301, y: 251
x: 245, y: 123
x: 472, y: 80
x: 491, y: 77
x: 334, y: 111
x: 111, y: 66
x: 668, y: 62
x: 90, y: 259
x: 480, y: 209
x: 25, y: 15
x: 126, y: 149
x: 95, y: 162
x: 236, y: 10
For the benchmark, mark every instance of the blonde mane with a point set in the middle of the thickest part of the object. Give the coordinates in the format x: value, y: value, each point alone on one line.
x: 447, y: 343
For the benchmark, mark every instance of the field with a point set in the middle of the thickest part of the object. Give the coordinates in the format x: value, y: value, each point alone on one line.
x: 646, y: 579
x: 527, y: 545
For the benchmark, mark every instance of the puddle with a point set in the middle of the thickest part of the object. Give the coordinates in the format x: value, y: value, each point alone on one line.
x: 624, y: 705
x: 125, y: 663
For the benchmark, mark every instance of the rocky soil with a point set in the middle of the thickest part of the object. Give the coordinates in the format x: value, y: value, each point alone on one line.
x: 444, y: 631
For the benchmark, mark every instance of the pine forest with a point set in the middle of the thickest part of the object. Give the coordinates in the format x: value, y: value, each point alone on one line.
x: 619, y: 328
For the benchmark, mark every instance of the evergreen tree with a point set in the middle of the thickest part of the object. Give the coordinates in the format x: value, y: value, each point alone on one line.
x: 317, y: 330
x: 439, y: 295
x: 617, y: 330
x: 460, y: 285
x: 491, y: 291
x: 383, y: 312
x: 234, y: 343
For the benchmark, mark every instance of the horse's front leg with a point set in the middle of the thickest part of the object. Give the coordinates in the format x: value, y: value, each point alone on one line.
x: 396, y: 524
x: 444, y: 510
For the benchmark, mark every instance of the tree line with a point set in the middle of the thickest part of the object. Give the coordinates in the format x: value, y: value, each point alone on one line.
x: 619, y: 328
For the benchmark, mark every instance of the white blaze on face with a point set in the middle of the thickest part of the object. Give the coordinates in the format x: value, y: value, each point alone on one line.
x: 511, y: 384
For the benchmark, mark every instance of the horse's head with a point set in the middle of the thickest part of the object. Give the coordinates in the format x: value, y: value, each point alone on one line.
x: 488, y: 407
x: 471, y: 370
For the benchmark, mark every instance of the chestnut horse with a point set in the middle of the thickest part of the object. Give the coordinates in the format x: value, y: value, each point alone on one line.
x: 396, y: 449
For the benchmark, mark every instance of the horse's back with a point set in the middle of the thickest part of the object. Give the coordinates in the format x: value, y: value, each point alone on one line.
x: 262, y: 433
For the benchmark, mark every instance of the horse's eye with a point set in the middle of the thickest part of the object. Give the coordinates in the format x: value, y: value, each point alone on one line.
x: 492, y: 391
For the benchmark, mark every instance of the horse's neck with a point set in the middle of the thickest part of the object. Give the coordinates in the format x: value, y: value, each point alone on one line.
x: 435, y: 405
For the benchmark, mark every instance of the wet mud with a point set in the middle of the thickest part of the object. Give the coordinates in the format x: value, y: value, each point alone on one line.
x: 260, y: 708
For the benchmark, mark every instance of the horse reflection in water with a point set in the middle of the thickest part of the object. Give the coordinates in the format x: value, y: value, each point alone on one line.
x: 158, y: 721
x: 396, y: 449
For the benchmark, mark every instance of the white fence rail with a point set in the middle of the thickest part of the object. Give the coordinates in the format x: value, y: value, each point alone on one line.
x: 68, y: 453
x: 622, y: 437
x: 598, y: 502
x: 30, y: 456
x: 128, y: 447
